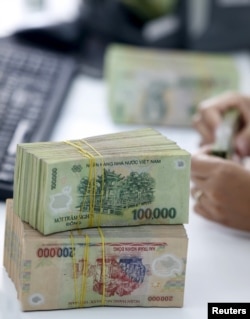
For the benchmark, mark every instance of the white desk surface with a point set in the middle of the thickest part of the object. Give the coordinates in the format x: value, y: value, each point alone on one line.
x: 218, y: 266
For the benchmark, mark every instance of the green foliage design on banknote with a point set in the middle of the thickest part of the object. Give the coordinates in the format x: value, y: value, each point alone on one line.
x: 113, y: 192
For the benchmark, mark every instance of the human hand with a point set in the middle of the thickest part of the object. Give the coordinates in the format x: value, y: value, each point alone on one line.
x: 209, y: 115
x: 223, y: 188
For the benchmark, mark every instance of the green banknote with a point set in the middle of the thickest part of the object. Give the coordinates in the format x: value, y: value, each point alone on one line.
x: 150, y: 86
x: 121, y: 179
x: 141, y: 266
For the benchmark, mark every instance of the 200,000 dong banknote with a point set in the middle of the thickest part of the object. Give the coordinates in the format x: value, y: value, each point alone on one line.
x: 126, y: 266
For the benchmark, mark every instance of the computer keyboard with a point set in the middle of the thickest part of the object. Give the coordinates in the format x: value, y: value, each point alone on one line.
x: 33, y: 84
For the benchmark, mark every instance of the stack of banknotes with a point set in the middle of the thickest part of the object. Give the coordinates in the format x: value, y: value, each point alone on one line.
x: 164, y: 87
x: 121, y: 179
x: 58, y: 252
x: 126, y: 266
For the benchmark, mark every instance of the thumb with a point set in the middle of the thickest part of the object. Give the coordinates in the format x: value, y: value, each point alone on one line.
x: 242, y: 142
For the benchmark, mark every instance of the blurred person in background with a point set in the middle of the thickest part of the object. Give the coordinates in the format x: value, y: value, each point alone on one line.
x: 221, y: 187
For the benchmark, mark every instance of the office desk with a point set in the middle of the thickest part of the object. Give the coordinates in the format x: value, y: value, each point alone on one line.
x: 218, y: 266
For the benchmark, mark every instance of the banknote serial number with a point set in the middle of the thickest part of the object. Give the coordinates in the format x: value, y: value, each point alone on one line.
x: 155, y: 213
x: 160, y: 298
x: 51, y: 252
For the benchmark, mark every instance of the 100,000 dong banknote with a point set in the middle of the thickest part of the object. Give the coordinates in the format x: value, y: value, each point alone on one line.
x: 164, y: 87
x: 138, y: 177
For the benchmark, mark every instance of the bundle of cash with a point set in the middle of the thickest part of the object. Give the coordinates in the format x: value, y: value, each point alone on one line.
x: 223, y: 145
x: 127, y: 178
x: 150, y: 86
x: 140, y: 266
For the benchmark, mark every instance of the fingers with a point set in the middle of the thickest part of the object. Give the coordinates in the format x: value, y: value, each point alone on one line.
x: 203, y: 164
x: 203, y: 169
x: 210, y: 112
x: 208, y: 116
x: 204, y: 207
x: 217, y: 182
x: 209, y: 211
x: 226, y: 101
x: 205, y: 122
x: 242, y: 142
